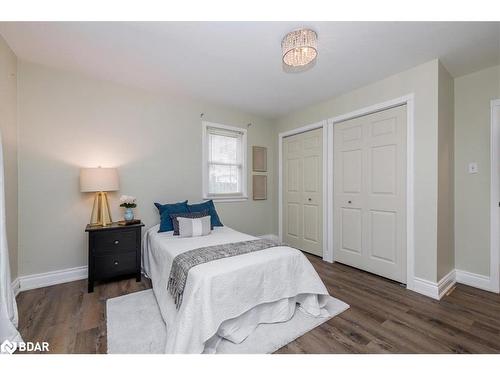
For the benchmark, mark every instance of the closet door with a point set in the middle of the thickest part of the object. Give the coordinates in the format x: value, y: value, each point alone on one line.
x: 370, y: 193
x: 303, y: 191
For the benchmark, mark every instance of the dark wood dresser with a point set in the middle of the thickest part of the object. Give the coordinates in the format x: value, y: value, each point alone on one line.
x: 114, y: 250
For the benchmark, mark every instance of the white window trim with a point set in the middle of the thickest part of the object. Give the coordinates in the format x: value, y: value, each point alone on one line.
x: 244, y: 171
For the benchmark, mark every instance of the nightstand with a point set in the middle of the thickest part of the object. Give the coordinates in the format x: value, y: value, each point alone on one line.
x: 114, y: 250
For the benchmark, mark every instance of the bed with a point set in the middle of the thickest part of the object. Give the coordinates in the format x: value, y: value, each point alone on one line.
x: 226, y: 299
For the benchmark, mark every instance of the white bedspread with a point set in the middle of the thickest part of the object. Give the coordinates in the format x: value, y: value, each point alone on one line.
x: 220, y: 297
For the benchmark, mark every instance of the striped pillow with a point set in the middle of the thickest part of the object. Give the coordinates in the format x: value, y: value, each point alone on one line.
x: 194, y: 227
x: 190, y: 215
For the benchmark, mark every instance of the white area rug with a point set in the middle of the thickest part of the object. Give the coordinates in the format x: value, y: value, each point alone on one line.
x: 134, y: 325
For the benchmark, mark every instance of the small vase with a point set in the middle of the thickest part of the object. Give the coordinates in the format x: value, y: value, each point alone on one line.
x: 129, y: 214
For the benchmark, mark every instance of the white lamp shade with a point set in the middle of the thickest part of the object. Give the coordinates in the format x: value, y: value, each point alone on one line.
x: 99, y: 179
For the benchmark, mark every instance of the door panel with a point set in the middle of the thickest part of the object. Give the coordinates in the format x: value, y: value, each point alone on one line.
x: 293, y: 175
x: 350, y: 134
x: 303, y: 191
x: 383, y: 127
x: 383, y: 235
x: 351, y: 230
x: 383, y: 170
x: 351, y: 171
x: 311, y: 174
x: 370, y: 193
x: 292, y: 194
x: 311, y: 223
x: 312, y: 140
x: 293, y: 220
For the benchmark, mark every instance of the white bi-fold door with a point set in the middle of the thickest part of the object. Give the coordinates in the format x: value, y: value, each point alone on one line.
x: 303, y: 191
x: 370, y: 193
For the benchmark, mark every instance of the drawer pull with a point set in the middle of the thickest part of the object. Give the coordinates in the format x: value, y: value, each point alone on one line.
x: 116, y: 262
x: 117, y: 242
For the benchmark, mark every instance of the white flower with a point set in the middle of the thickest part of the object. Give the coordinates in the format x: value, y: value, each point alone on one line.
x: 128, y: 199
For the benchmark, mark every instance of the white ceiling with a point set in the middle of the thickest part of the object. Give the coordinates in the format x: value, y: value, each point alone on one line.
x: 238, y: 64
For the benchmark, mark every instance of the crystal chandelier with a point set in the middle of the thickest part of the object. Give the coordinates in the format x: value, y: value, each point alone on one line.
x: 299, y: 47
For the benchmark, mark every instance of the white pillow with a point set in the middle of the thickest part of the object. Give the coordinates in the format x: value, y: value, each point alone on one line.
x: 194, y: 227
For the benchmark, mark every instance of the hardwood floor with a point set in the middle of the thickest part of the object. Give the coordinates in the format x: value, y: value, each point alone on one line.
x: 384, y: 317
x: 69, y: 318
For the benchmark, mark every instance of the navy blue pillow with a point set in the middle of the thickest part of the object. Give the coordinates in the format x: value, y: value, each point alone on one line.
x: 166, y: 210
x: 208, y: 205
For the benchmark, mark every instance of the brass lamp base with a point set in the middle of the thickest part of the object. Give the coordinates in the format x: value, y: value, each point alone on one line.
x: 101, y: 215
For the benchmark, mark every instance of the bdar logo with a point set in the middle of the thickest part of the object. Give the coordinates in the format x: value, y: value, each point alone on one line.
x: 8, y: 347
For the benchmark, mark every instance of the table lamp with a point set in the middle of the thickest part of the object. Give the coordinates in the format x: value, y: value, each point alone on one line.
x: 99, y: 181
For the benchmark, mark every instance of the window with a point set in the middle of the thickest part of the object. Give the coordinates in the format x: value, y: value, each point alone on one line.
x: 224, y: 162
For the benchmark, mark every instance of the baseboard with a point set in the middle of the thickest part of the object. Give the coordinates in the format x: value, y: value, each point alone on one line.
x: 270, y: 237
x: 475, y: 280
x: 426, y: 287
x: 446, y: 283
x: 433, y: 289
x: 422, y: 286
x: 16, y: 286
x: 41, y: 280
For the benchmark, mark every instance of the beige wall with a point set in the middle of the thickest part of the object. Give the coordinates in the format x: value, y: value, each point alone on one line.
x: 8, y: 129
x: 423, y: 82
x: 473, y: 94
x: 445, y: 231
x: 68, y: 121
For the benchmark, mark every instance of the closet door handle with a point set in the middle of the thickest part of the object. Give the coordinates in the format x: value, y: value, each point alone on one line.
x: 349, y: 202
x: 309, y: 199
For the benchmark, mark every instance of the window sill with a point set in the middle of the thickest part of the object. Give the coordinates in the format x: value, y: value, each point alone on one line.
x: 237, y: 198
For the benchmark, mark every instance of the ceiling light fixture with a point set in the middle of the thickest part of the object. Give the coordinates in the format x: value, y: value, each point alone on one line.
x: 299, y: 47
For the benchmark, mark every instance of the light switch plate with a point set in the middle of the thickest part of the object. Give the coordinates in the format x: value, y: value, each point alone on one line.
x: 473, y: 168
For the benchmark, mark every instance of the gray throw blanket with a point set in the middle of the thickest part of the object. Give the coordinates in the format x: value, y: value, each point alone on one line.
x: 184, y: 262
